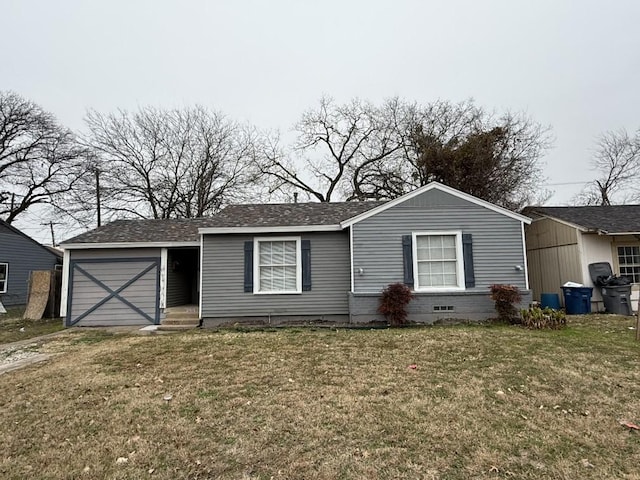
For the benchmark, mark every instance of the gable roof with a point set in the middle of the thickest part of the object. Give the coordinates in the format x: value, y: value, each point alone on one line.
x: 10, y: 229
x: 233, y: 219
x: 604, y: 219
x: 442, y: 188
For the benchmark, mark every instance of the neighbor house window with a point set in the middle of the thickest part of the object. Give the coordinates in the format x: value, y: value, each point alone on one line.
x: 629, y: 261
x: 278, y: 268
x: 4, y: 275
x: 437, y: 261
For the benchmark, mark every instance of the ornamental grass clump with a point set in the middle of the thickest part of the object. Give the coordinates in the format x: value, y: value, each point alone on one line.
x: 393, y: 303
x: 539, y: 318
x: 506, y: 297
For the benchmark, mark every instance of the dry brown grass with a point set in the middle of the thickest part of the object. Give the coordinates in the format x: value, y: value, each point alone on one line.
x: 325, y: 404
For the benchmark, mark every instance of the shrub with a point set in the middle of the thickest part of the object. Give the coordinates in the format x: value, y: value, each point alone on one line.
x: 393, y: 303
x: 537, y: 318
x: 505, y: 297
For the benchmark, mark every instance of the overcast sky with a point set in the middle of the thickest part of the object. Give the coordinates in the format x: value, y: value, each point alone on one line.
x: 573, y: 65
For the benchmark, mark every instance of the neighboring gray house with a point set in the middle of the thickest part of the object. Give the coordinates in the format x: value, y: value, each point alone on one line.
x: 19, y: 256
x: 299, y: 262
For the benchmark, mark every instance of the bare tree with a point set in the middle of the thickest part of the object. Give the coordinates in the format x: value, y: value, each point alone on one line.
x: 362, y: 151
x: 39, y: 159
x: 333, y: 142
x: 158, y: 163
x: 617, y: 162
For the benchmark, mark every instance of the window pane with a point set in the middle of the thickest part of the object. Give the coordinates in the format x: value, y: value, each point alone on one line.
x: 449, y: 253
x: 265, y: 278
x: 290, y: 253
x: 289, y: 278
x: 449, y: 267
x: 436, y: 268
x: 277, y: 258
x: 449, y: 241
x: 450, y: 280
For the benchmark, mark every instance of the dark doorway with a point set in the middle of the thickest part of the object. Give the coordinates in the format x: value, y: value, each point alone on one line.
x: 183, y: 274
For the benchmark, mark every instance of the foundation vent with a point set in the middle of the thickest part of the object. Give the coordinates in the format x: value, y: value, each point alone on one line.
x: 443, y: 308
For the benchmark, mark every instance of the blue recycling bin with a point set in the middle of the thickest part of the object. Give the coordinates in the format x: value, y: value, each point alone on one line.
x: 577, y: 300
x: 551, y: 300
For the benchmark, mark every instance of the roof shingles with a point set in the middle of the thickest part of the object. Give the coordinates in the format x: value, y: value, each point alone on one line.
x: 612, y: 219
x: 258, y: 215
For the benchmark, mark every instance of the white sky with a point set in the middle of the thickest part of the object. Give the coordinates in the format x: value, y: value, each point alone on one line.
x: 574, y: 65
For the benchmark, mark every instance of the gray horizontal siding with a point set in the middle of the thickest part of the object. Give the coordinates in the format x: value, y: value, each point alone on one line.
x: 497, y: 240
x: 473, y: 306
x: 114, y: 270
x: 23, y: 256
x: 223, y: 293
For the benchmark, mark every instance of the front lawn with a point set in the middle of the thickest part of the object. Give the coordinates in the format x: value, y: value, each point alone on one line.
x: 481, y: 402
x: 14, y: 328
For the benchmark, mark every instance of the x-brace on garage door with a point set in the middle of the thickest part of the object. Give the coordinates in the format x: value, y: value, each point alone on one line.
x: 120, y: 291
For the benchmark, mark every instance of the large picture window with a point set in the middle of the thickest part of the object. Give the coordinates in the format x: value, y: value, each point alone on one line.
x: 277, y: 268
x: 629, y: 262
x: 437, y: 261
x: 4, y: 275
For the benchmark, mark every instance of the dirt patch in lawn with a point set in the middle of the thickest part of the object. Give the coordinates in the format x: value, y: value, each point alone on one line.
x: 443, y: 402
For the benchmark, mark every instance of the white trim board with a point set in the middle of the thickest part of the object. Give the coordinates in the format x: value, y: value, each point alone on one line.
x: 274, y: 229
x: 85, y: 246
x: 442, y: 188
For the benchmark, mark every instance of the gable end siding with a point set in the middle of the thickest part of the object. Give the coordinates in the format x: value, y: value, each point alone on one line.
x: 223, y: 294
x: 497, y: 241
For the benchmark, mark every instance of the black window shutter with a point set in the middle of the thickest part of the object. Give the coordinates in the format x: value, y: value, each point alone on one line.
x: 467, y: 254
x: 407, y: 260
x: 306, y: 265
x: 248, y: 266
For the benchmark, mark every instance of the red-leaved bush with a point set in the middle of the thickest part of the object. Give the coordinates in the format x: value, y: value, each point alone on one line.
x: 506, y: 296
x: 393, y: 303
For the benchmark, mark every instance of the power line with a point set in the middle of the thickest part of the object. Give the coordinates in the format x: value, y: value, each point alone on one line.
x: 566, y: 183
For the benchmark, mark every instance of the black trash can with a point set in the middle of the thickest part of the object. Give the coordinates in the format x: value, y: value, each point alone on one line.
x: 616, y: 291
x: 617, y: 299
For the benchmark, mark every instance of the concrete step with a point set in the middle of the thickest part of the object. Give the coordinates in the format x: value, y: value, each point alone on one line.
x: 170, y: 328
x: 182, y: 316
x: 180, y: 321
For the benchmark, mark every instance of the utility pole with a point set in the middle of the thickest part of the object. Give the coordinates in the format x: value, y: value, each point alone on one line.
x: 53, y: 236
x: 98, y: 207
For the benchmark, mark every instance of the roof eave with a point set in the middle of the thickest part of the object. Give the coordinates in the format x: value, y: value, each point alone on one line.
x: 544, y: 216
x: 613, y: 234
x: 103, y: 245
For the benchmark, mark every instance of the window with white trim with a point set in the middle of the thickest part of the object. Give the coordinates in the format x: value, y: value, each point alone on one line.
x: 437, y: 261
x: 277, y: 268
x: 629, y: 262
x: 4, y: 275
